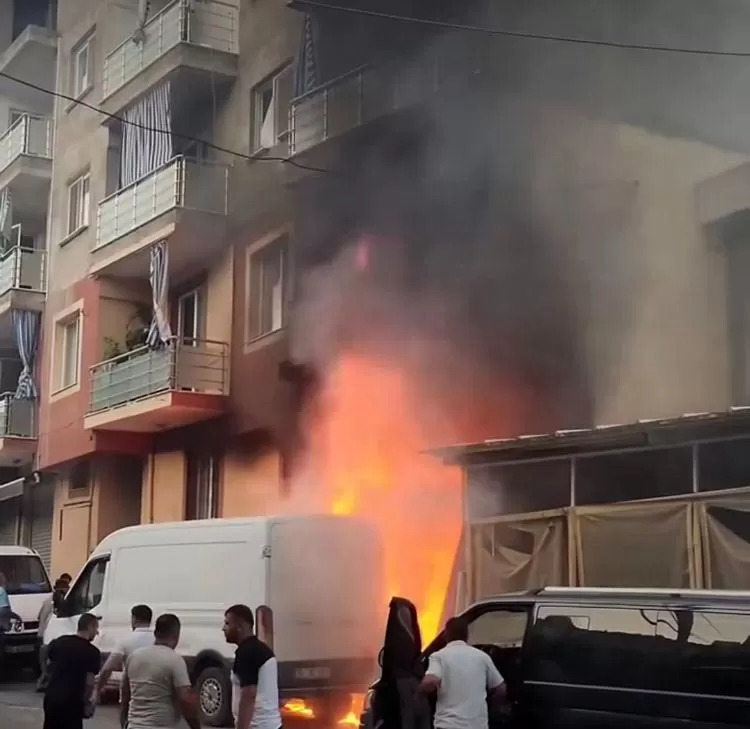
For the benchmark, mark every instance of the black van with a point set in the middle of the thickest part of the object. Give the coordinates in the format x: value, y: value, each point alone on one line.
x: 587, y: 657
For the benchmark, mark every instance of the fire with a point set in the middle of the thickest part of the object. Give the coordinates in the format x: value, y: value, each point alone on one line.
x: 352, y: 717
x: 297, y: 707
x: 366, y: 445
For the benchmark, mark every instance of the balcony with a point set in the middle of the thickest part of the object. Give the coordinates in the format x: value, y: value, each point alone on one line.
x: 22, y: 276
x: 26, y: 163
x: 194, y: 46
x: 371, y: 92
x: 31, y: 56
x: 184, y: 201
x: 150, y: 390
x: 17, y: 430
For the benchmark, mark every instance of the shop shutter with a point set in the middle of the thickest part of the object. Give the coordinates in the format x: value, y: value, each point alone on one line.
x: 9, y: 511
x: 42, y: 510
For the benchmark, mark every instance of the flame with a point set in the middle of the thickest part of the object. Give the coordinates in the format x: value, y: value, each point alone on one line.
x: 352, y: 716
x: 298, y: 708
x: 366, y: 445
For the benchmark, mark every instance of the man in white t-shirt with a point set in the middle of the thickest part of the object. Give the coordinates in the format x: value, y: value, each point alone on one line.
x: 463, y: 678
x: 255, y: 675
x: 140, y: 637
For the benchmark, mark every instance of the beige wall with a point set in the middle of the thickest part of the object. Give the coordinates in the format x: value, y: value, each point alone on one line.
x: 84, y: 517
x: 250, y: 484
x: 163, y: 495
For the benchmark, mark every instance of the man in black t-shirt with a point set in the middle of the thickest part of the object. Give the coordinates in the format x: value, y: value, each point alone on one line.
x: 255, y: 680
x: 74, y: 663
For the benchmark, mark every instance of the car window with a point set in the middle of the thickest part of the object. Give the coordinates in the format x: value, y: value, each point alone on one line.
x: 86, y: 592
x: 595, y: 646
x: 712, y: 649
x: 24, y: 574
x: 502, y: 628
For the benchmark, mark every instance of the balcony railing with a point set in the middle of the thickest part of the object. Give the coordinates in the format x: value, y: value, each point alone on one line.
x: 17, y: 417
x: 180, y: 183
x: 185, y: 365
x: 207, y: 23
x: 22, y: 268
x: 29, y: 135
x: 370, y: 92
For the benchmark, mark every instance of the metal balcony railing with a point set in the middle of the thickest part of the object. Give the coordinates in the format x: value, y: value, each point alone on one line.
x: 370, y: 92
x: 180, y: 183
x: 194, y: 365
x: 29, y: 135
x: 22, y: 268
x: 207, y: 23
x: 17, y: 417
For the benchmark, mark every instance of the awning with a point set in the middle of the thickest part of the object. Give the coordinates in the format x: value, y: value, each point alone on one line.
x: 11, y: 489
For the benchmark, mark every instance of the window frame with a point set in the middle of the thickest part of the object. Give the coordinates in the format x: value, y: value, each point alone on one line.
x: 64, y: 327
x: 86, y: 44
x: 253, y: 300
x: 80, y: 188
x: 284, y: 72
x: 203, y: 470
x: 198, y: 304
x: 71, y: 604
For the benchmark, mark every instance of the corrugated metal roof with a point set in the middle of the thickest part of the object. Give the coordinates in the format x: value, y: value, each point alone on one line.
x: 620, y: 434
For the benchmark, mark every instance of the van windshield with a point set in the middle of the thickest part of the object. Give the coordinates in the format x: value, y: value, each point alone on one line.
x: 24, y: 574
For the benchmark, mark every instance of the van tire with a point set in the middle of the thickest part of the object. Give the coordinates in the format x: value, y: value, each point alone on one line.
x: 214, y: 692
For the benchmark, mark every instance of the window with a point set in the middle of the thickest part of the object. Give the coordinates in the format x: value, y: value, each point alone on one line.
x: 203, y: 486
x: 24, y: 575
x: 68, y: 349
x: 86, y: 593
x: 190, y: 317
x: 82, y: 64
x: 271, y: 101
x: 713, y: 649
x: 79, y: 202
x: 501, y: 628
x: 79, y: 480
x: 15, y: 115
x: 266, y: 274
x: 619, y: 645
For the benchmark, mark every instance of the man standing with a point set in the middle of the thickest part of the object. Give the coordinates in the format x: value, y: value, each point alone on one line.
x: 463, y: 678
x: 141, y: 637
x: 156, y: 688
x: 255, y: 679
x: 74, y: 662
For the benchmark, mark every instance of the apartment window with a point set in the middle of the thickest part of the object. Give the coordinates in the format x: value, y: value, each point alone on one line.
x: 190, y: 317
x: 271, y: 101
x: 68, y: 351
x: 203, y: 487
x: 79, y: 202
x: 265, y: 288
x: 82, y: 64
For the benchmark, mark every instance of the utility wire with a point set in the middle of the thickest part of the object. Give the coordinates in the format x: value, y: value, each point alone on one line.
x: 446, y: 25
x: 186, y: 137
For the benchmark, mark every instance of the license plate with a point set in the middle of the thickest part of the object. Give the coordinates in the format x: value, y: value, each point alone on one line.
x: 19, y: 648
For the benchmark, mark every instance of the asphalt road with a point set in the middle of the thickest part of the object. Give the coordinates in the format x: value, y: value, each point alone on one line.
x: 21, y: 708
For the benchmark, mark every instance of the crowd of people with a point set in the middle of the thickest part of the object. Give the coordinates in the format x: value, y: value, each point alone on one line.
x: 156, y: 690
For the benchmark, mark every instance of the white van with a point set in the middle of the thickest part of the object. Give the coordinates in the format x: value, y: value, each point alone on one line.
x: 315, y: 584
x: 28, y: 586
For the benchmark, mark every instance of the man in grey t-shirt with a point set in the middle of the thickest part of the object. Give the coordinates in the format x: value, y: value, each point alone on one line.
x: 156, y: 689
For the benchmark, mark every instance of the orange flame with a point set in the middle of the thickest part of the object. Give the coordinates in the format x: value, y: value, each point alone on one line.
x: 297, y: 707
x: 366, y: 446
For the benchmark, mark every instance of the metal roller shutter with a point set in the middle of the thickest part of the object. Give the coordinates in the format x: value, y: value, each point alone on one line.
x: 9, y: 511
x: 42, y: 511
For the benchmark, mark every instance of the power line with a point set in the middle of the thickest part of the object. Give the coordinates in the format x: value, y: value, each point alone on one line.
x: 186, y: 137
x: 446, y: 25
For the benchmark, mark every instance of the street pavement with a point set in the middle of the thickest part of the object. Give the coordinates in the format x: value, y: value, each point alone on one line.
x: 21, y: 708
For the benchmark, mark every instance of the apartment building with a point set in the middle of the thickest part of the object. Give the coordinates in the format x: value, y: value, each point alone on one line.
x: 168, y: 386
x: 28, y: 54
x: 169, y: 259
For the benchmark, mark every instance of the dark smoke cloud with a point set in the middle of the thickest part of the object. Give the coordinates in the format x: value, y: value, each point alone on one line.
x: 491, y: 248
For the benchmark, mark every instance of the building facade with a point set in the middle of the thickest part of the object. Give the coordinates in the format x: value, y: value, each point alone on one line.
x: 210, y: 155
x: 28, y: 61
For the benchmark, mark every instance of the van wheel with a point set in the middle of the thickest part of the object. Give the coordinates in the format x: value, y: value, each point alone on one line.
x: 214, y: 692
